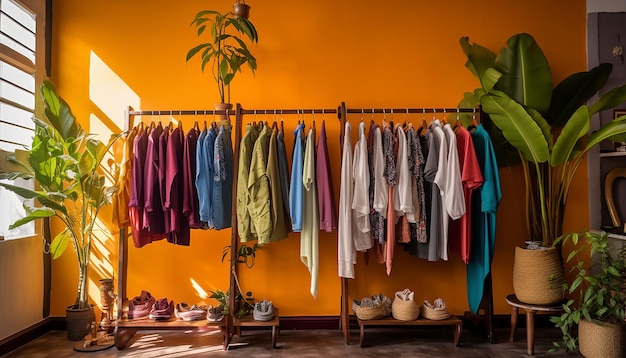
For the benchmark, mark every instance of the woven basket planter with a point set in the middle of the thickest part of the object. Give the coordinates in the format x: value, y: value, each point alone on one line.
x: 433, y: 314
x: 538, y: 276
x: 601, y: 341
x: 404, y: 310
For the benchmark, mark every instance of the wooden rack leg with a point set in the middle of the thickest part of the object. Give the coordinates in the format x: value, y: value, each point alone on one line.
x: 122, y: 336
x: 514, y: 314
x: 362, y: 335
x: 530, y: 331
x: 457, y: 335
x: 274, y: 334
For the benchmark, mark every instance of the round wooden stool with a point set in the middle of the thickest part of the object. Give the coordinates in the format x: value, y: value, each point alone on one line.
x: 530, y: 318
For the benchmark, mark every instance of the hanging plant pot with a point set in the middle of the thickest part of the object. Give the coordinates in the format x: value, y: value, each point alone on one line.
x: 223, y: 119
x: 538, y: 276
x: 78, y: 321
x: 601, y: 340
x: 241, y: 10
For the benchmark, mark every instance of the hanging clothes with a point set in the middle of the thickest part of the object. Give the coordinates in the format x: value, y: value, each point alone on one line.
x: 295, y: 186
x: 453, y: 198
x: 153, y: 220
x: 259, y: 188
x: 244, y: 224
x: 178, y: 226
x: 190, y: 194
x: 136, y: 202
x: 484, y: 208
x: 432, y: 250
x: 360, y: 196
x: 279, y: 228
x: 309, y: 237
x: 326, y: 198
x: 124, y: 148
x: 204, y: 176
x: 346, y: 253
x: 417, y: 216
x: 471, y: 177
x: 402, y: 195
x: 222, y: 201
x: 283, y: 169
x: 378, y: 187
x: 163, y: 139
x: 391, y: 176
x: 201, y: 170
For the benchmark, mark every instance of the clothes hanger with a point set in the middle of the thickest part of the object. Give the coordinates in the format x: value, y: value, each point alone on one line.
x: 282, y: 122
x: 474, y: 123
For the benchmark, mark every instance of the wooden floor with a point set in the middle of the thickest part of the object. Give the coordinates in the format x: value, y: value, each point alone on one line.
x: 381, y: 342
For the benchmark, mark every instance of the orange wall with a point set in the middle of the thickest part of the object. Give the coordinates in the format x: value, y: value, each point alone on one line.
x: 311, y: 54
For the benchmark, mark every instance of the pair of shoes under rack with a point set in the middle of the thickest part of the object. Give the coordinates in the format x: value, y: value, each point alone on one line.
x: 263, y: 311
x: 215, y: 314
x: 162, y: 310
x: 140, y: 306
x: 190, y: 313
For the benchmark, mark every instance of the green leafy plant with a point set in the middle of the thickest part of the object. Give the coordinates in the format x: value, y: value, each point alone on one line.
x: 600, y: 288
x: 545, y: 127
x: 244, y: 255
x: 226, y: 52
x: 64, y: 161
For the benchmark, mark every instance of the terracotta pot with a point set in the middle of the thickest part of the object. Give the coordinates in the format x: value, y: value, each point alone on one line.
x: 538, y: 276
x: 241, y: 10
x: 223, y: 119
x: 601, y: 340
x: 79, y: 322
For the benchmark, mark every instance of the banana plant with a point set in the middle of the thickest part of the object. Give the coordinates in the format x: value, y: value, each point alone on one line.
x: 64, y: 161
x: 545, y: 128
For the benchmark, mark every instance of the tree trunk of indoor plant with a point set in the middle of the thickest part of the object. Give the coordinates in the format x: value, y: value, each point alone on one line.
x: 538, y: 276
x: 601, y: 340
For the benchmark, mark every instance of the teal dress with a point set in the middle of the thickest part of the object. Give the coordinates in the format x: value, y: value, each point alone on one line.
x: 484, y: 207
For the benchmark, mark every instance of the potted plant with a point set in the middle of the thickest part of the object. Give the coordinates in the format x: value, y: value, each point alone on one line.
x: 226, y: 52
x: 64, y: 161
x: 545, y: 128
x: 242, y: 305
x: 241, y: 9
x: 600, y: 308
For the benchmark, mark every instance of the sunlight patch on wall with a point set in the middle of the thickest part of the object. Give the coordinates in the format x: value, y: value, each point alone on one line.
x: 201, y: 292
x: 109, y: 92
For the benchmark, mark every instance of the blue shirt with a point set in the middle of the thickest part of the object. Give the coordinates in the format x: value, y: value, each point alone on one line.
x: 222, y: 203
x: 205, y: 171
x: 484, y: 207
x: 295, y: 186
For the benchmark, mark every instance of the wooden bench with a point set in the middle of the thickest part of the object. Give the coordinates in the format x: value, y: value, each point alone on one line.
x: 389, y: 322
x: 125, y: 329
x: 249, y: 321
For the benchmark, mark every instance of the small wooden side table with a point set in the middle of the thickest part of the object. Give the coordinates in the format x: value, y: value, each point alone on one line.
x: 530, y: 318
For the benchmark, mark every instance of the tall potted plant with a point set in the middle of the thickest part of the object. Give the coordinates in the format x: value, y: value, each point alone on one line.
x: 601, y: 305
x: 226, y: 52
x: 64, y: 161
x: 546, y: 129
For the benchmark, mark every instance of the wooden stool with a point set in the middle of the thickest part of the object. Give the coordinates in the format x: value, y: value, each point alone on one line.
x: 530, y: 318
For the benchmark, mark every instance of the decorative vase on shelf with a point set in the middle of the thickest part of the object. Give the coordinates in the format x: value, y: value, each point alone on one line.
x: 241, y: 9
x: 107, y: 300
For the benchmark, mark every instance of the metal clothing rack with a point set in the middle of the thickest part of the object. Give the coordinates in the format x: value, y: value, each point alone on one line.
x: 487, y: 303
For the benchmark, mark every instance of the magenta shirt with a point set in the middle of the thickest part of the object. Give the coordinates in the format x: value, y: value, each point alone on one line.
x: 190, y: 193
x: 178, y: 225
x: 326, y: 199
x: 153, y: 210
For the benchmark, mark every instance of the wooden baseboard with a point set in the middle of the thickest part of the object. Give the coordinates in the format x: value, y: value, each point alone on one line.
x: 26, y: 335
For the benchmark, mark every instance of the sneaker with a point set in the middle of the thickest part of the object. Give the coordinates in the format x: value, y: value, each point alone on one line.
x: 263, y: 311
x: 216, y: 314
x: 189, y: 313
x: 140, y: 306
x: 161, y: 310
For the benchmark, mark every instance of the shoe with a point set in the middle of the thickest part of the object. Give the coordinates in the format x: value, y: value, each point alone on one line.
x: 161, y: 310
x: 140, y: 306
x: 263, y: 311
x: 216, y: 314
x: 190, y: 313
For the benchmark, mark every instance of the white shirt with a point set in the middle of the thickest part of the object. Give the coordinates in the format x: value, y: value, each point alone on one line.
x: 402, y: 198
x: 309, y: 237
x: 346, y: 253
x: 441, y: 181
x: 360, y: 196
x: 381, y: 193
x: 454, y: 199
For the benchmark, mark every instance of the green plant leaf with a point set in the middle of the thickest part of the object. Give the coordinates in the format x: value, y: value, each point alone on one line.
x: 38, y: 213
x: 577, y: 281
x: 611, y: 99
x: 203, y: 13
x: 59, y: 243
x: 479, y: 58
x: 574, y: 91
x: 543, y: 125
x: 526, y: 76
x: 576, y: 127
x: 611, y: 129
x: 517, y: 126
x: 196, y: 49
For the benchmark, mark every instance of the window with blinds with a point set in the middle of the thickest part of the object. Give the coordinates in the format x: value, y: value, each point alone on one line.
x: 17, y: 104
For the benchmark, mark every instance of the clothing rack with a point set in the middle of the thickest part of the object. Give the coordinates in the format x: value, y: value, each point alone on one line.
x: 487, y: 303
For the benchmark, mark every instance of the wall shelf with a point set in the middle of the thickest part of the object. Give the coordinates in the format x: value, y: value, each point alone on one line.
x: 612, y: 154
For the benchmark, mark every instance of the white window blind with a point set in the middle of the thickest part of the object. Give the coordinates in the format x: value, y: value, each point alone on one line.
x: 17, y: 103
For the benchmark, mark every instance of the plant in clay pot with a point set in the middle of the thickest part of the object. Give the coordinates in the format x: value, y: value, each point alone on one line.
x: 545, y: 129
x: 64, y: 160
x: 226, y: 53
x: 601, y: 303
